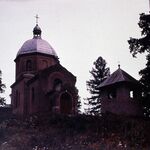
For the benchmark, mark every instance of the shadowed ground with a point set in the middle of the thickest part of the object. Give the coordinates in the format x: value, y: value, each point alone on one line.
x: 54, y: 132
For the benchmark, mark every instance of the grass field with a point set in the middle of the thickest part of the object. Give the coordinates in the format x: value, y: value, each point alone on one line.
x: 55, y: 132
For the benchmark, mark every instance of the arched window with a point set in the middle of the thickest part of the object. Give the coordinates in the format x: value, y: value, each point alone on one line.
x: 131, y: 94
x: 44, y: 63
x: 66, y: 103
x: 112, y: 94
x: 28, y: 65
x: 57, y: 85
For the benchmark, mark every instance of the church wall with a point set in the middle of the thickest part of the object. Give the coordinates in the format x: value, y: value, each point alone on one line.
x: 43, y: 100
x: 52, y: 77
x: 66, y: 80
x: 122, y: 104
x: 34, y: 98
x: 57, y: 90
x: 45, y: 62
x: 33, y: 63
x: 42, y: 86
x: 18, y: 99
x: 123, y: 94
x: 21, y: 65
x: 50, y: 92
x: 39, y: 102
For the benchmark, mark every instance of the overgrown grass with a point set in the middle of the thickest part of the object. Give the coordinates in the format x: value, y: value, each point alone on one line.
x: 82, y: 132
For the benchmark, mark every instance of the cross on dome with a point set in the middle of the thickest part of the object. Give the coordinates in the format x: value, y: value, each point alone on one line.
x: 37, y: 17
x: 37, y: 30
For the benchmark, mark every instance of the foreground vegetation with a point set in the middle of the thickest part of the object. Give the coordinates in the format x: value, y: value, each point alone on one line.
x: 54, y: 132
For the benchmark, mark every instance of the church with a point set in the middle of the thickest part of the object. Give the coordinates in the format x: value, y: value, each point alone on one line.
x: 42, y: 84
x: 121, y: 94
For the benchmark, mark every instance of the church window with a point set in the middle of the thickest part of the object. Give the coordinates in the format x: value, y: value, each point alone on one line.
x: 112, y: 94
x: 131, y: 94
x: 57, y: 84
x: 143, y: 94
x: 33, y: 95
x: 65, y: 103
x: 28, y: 65
x: 45, y: 63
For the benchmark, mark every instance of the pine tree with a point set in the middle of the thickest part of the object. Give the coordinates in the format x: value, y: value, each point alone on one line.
x: 2, y: 87
x: 79, y: 106
x: 145, y: 80
x: 99, y: 73
x: 79, y: 102
x: 142, y: 45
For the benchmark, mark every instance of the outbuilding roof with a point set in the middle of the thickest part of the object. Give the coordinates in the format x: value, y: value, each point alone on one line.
x: 118, y: 76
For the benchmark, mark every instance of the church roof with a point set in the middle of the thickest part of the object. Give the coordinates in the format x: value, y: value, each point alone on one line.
x: 117, y: 77
x: 54, y: 68
x: 37, y: 44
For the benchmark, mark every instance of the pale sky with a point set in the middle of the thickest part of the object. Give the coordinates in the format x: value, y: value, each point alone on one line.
x: 79, y: 30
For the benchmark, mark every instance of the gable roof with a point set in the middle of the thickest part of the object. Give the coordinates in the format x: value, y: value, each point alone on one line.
x: 54, y: 68
x: 58, y: 68
x: 118, y: 76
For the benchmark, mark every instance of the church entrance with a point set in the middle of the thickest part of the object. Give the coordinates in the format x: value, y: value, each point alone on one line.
x: 65, y: 103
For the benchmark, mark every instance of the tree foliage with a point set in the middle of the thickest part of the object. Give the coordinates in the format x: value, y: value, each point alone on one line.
x: 2, y: 87
x: 79, y: 105
x: 145, y: 75
x: 145, y: 80
x: 142, y: 45
x: 99, y: 73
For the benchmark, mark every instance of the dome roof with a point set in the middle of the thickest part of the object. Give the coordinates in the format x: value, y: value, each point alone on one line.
x: 37, y: 44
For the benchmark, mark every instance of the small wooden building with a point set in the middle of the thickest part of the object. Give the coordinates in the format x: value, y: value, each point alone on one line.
x: 121, y: 94
x: 42, y: 84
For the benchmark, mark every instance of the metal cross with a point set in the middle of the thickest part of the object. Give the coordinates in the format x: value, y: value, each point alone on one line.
x: 37, y: 17
x: 118, y: 64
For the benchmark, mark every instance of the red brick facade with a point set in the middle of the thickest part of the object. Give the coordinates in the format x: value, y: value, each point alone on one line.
x: 42, y: 84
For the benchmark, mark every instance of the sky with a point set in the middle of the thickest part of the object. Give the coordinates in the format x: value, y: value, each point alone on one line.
x: 79, y: 30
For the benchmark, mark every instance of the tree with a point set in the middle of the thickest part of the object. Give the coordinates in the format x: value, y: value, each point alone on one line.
x: 79, y: 105
x: 99, y: 73
x: 142, y: 45
x: 2, y: 87
x: 145, y: 80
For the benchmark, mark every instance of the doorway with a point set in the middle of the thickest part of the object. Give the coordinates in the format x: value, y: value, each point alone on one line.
x: 65, y: 103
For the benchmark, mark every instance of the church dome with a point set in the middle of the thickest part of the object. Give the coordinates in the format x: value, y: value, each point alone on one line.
x: 36, y: 45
